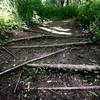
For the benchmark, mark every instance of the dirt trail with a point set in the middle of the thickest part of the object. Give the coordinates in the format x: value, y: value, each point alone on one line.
x: 46, y: 44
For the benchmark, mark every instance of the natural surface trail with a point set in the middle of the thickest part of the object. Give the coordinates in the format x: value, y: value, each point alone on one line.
x: 55, y: 45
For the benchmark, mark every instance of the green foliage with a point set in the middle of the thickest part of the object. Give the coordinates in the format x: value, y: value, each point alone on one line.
x: 3, y: 39
x: 71, y: 10
x: 31, y: 73
x: 89, y: 12
x: 26, y: 8
x: 51, y: 2
x: 95, y: 28
x: 59, y: 13
x: 89, y: 16
x: 8, y: 21
x: 8, y: 25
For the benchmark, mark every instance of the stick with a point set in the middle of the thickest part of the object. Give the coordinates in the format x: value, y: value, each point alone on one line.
x: 51, y: 45
x: 56, y: 93
x: 17, y: 83
x: 32, y: 60
x: 67, y: 88
x: 67, y: 66
x: 28, y: 38
x: 9, y: 52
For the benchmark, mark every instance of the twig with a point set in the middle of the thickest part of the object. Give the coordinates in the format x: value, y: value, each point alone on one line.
x: 81, y: 56
x: 17, y: 83
x: 51, y: 45
x: 67, y: 88
x: 32, y: 60
x: 9, y: 52
x: 67, y: 66
x: 55, y: 92
x: 93, y: 93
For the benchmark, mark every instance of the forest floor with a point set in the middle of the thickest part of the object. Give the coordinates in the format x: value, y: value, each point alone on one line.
x: 52, y: 61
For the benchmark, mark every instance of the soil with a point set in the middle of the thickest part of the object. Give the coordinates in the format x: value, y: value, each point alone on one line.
x: 22, y: 83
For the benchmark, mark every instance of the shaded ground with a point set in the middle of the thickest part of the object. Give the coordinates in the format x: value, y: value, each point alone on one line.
x: 17, y: 85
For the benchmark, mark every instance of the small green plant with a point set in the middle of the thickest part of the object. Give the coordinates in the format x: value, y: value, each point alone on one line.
x: 31, y: 73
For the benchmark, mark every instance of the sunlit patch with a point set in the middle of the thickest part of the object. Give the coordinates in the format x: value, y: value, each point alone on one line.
x: 55, y: 31
x: 60, y: 29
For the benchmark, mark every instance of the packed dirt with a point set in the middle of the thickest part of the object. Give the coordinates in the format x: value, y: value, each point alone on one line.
x: 18, y: 81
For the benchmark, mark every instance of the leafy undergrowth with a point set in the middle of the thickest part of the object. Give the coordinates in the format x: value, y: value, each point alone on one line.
x: 8, y: 22
x: 3, y: 39
x: 89, y: 18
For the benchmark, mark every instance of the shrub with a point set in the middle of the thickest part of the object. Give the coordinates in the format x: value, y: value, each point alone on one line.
x: 89, y: 16
x: 95, y: 28
x: 8, y: 21
x: 71, y: 10
x: 89, y: 12
x: 59, y: 13
x: 26, y: 8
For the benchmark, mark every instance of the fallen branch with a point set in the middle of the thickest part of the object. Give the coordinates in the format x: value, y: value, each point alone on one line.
x: 28, y: 38
x: 38, y: 30
x: 66, y: 66
x: 32, y: 60
x: 67, y: 88
x: 39, y: 36
x: 51, y: 45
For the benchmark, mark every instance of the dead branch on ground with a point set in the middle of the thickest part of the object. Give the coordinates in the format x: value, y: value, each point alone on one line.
x: 66, y: 66
x: 67, y: 88
x: 51, y: 45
